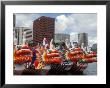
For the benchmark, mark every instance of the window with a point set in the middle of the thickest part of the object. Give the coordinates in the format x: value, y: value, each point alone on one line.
x: 29, y: 32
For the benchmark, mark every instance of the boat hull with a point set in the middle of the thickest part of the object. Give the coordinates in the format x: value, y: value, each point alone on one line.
x: 74, y: 68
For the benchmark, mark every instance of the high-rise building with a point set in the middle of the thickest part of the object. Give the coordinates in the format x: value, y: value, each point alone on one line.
x: 83, y: 39
x: 43, y: 27
x: 14, y: 20
x: 14, y: 36
x: 20, y: 32
x: 61, y: 37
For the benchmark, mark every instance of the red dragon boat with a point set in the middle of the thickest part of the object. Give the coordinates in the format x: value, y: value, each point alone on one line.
x: 75, y: 60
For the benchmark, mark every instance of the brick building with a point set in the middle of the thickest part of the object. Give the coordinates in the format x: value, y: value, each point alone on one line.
x: 43, y: 27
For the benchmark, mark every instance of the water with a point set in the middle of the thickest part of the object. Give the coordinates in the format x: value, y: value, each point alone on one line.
x: 91, y: 69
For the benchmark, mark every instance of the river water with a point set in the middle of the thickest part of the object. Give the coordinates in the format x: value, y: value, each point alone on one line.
x: 91, y: 69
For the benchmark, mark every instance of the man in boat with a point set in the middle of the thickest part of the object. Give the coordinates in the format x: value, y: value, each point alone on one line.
x: 62, y: 49
x: 34, y: 55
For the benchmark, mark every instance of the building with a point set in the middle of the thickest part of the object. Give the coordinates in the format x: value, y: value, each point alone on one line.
x: 14, y: 20
x: 61, y: 37
x: 43, y: 27
x: 83, y: 39
x: 23, y: 33
x: 14, y: 35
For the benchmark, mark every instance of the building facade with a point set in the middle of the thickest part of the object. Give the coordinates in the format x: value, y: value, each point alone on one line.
x: 83, y: 39
x: 23, y: 32
x: 61, y: 37
x: 43, y: 27
x: 14, y: 20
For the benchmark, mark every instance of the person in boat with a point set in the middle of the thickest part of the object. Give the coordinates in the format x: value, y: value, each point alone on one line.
x: 62, y: 49
x: 34, y: 55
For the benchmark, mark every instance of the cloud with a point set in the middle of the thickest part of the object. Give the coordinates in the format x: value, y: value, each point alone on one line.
x: 84, y: 22
x: 77, y: 23
x: 61, y: 23
x: 25, y: 20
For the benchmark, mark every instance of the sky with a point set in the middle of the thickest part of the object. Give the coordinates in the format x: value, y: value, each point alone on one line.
x: 68, y: 23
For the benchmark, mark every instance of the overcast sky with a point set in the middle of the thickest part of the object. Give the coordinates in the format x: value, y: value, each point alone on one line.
x: 68, y: 23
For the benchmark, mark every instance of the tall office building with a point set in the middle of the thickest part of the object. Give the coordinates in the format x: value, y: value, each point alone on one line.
x: 61, y: 37
x: 14, y: 32
x: 43, y: 27
x: 14, y: 20
x: 83, y: 39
